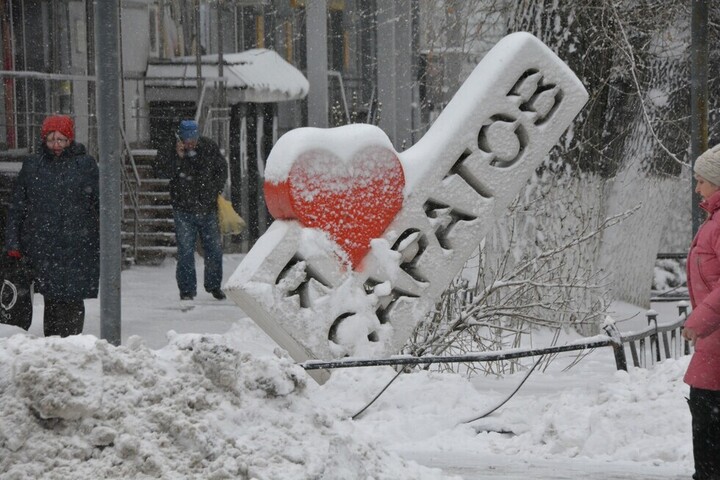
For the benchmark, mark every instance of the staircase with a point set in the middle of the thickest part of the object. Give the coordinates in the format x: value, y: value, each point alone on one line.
x: 148, y: 234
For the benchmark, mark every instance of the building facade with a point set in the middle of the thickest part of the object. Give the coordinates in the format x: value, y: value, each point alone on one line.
x: 320, y: 63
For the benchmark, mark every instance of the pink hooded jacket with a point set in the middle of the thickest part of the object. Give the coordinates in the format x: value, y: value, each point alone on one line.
x: 703, y: 279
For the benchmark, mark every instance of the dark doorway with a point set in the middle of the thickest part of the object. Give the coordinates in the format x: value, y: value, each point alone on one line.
x: 164, y: 120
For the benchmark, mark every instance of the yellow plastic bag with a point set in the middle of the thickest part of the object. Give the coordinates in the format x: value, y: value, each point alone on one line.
x: 230, y: 222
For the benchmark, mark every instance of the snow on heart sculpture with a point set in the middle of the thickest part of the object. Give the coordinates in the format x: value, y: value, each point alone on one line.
x: 347, y: 182
x: 366, y: 239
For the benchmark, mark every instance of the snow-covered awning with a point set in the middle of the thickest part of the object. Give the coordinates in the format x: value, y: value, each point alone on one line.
x: 257, y: 76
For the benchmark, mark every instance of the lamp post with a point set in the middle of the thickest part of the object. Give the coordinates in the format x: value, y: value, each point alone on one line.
x: 198, y: 53
x: 698, y: 94
x: 108, y: 113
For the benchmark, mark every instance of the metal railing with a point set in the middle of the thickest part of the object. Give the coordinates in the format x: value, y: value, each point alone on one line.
x: 216, y: 125
x: 674, y: 346
x: 214, y: 121
x: 645, y: 348
x: 340, y: 87
x: 130, y: 188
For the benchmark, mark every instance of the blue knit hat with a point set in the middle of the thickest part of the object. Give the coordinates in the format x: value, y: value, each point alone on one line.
x: 188, y: 130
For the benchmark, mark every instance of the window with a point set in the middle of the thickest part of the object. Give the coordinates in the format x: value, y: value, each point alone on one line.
x: 154, y: 31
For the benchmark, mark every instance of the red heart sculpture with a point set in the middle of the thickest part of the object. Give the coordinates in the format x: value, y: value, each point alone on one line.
x: 353, y: 201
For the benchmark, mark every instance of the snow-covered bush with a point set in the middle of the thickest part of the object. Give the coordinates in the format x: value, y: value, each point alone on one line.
x: 534, y: 275
x: 669, y: 276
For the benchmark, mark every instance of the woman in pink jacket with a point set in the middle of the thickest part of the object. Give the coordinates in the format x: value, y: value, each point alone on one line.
x: 702, y: 327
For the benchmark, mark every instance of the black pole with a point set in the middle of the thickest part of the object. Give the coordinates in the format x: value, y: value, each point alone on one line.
x: 467, y: 358
x: 198, y: 53
x: 108, y: 114
x: 698, y: 95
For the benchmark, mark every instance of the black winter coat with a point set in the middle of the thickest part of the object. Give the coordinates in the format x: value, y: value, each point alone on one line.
x: 196, y: 182
x: 53, y: 220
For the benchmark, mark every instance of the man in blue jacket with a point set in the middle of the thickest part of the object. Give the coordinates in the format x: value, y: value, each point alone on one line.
x: 197, y: 172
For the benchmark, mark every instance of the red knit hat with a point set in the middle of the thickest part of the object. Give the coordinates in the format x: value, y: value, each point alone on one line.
x: 58, y: 123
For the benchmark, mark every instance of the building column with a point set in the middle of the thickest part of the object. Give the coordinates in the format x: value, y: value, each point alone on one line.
x: 395, y: 67
x: 317, y: 68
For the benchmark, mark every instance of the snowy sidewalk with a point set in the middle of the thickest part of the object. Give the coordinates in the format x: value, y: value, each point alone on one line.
x: 151, y: 305
x: 480, y: 466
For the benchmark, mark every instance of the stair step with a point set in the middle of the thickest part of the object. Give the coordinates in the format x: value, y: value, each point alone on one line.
x: 144, y: 152
x: 156, y: 181
x: 148, y: 225
x: 151, y: 198
x: 153, y: 190
x: 144, y: 169
x: 148, y: 212
x: 151, y: 239
x: 155, y: 225
x: 149, y: 194
x: 158, y: 222
x: 162, y: 235
x: 154, y: 185
x: 149, y: 255
x: 147, y: 230
x: 157, y: 249
x: 150, y: 208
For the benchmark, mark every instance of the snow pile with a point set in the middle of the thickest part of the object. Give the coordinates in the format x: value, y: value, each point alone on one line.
x: 631, y: 418
x: 229, y: 406
x: 203, y: 407
x: 588, y: 412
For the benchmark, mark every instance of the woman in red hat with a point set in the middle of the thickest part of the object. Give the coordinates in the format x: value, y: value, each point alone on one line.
x: 53, y: 222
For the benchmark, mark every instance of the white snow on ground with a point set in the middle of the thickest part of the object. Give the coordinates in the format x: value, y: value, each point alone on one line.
x: 221, y: 401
